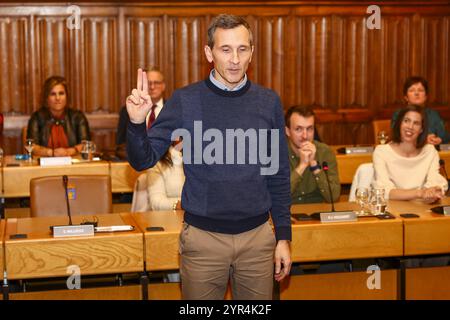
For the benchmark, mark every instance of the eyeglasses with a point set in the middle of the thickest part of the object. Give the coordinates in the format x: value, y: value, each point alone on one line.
x: 155, y: 83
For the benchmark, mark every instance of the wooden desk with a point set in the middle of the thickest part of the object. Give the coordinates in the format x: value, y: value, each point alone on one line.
x: 366, y: 238
x: 428, y: 234
x: 348, y: 163
x: 161, y: 247
x: 42, y: 256
x: 312, y: 240
x: 123, y: 176
x: 17, y: 178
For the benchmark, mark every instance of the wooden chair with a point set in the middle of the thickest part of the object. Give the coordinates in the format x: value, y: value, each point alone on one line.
x: 381, y: 125
x: 89, y: 194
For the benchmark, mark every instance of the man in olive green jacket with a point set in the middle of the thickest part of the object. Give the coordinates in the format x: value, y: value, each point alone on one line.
x: 306, y: 156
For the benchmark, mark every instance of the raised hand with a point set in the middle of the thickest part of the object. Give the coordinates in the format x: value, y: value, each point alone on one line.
x: 139, y: 102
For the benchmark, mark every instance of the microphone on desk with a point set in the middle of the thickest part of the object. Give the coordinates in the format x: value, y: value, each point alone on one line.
x: 84, y: 228
x: 65, y: 181
x: 325, y: 169
x: 333, y: 215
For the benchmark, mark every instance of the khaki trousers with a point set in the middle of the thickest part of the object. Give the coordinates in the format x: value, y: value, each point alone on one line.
x: 209, y: 260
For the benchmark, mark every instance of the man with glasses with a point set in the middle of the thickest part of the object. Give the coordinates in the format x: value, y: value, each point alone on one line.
x: 156, y: 88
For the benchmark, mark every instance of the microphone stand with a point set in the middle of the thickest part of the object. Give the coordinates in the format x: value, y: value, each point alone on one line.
x: 325, y: 169
x: 84, y: 228
x: 65, y: 180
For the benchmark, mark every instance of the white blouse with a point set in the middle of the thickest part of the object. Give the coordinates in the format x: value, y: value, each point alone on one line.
x: 164, y: 183
x: 393, y: 171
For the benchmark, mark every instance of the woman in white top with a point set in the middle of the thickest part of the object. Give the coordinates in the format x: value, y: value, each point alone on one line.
x: 408, y: 168
x: 165, y: 181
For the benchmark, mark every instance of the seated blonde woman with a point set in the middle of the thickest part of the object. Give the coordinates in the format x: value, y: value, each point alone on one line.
x: 408, y: 167
x: 165, y: 181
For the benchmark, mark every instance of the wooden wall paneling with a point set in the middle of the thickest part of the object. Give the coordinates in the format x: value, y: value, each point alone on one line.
x: 101, y: 66
x: 291, y: 56
x: 314, y: 48
x: 354, y: 56
x: 14, y: 59
x: 436, y: 54
x: 318, y: 40
x: 189, y: 34
x: 397, y: 42
x: 144, y: 44
x: 375, y: 68
x: 77, y: 67
x: 335, y: 65
x: 320, y: 55
x: 446, y: 63
x: 53, y: 46
x: 269, y: 56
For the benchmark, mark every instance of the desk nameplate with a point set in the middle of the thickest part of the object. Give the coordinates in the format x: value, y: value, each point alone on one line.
x: 343, y: 216
x: 73, y: 231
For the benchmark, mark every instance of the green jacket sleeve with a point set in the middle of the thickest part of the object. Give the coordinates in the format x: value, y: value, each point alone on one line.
x: 333, y: 176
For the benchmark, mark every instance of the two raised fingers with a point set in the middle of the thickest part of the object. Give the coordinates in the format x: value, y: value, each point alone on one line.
x: 141, y: 91
x: 142, y: 82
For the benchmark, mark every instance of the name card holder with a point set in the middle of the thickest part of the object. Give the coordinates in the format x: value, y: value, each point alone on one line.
x: 358, y: 150
x: 339, y: 216
x: 73, y: 230
x: 444, y: 147
x: 55, y: 161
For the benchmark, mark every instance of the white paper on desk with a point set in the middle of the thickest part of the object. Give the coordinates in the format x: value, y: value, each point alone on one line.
x: 55, y: 161
x: 114, y: 228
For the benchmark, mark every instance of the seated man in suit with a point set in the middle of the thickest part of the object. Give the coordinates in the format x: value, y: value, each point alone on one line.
x: 306, y: 155
x: 156, y: 88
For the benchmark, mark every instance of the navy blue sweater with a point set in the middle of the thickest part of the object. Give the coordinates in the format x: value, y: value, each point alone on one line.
x: 222, y: 196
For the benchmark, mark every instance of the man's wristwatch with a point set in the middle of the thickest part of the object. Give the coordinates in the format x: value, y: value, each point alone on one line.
x: 314, y: 168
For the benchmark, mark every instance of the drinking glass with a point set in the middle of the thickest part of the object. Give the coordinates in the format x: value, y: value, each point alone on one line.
x: 87, y: 150
x: 378, y: 202
x: 29, y: 144
x: 362, y: 198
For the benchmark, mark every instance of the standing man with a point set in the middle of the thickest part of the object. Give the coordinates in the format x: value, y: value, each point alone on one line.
x: 306, y: 155
x: 226, y: 232
x: 156, y: 86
